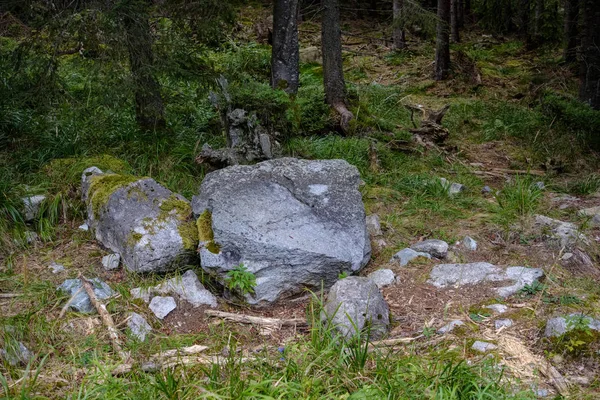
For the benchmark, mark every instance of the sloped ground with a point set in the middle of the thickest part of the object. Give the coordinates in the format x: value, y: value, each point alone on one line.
x: 73, y: 353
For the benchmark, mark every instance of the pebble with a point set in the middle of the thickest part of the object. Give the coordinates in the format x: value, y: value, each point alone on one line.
x: 434, y: 247
x: 84, y: 227
x: 111, y: 261
x: 56, y: 268
x: 138, y: 326
x: 469, y: 243
x: 382, y: 277
x: 162, y: 306
x: 81, y: 302
x: 486, y: 190
x: 503, y: 323
x: 498, y: 308
x: 449, y: 327
x: 407, y: 255
x: 540, y: 185
x: 483, y: 347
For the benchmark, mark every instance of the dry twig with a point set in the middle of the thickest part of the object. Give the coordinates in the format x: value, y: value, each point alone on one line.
x: 253, y: 320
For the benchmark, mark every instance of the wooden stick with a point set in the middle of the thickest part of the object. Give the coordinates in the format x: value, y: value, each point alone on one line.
x: 250, y: 319
x: 9, y: 295
x: 394, y: 341
x: 65, y: 308
x: 106, y: 318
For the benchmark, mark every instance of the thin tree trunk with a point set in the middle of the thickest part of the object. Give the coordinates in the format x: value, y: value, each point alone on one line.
x: 524, y: 13
x: 468, y: 15
x: 571, y: 31
x: 285, y: 58
x: 333, y: 72
x: 454, y: 34
x: 461, y: 13
x: 149, y: 108
x: 442, y: 49
x: 537, y: 21
x: 589, y: 91
x: 398, y: 33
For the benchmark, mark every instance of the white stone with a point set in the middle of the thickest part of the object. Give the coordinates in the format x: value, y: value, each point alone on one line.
x: 32, y: 206
x: 382, y: 277
x: 141, y: 293
x: 483, y: 347
x: 498, y: 308
x: 188, y: 288
x: 84, y: 227
x: 449, y: 327
x: 111, y: 261
x: 469, y: 243
x: 162, y: 306
x: 503, y: 323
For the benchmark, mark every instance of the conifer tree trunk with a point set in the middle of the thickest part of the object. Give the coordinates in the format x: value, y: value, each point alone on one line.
x: 442, y: 49
x: 398, y: 33
x: 285, y: 56
x: 524, y: 13
x: 454, y: 34
x: 589, y: 90
x: 537, y: 22
x: 571, y: 30
x: 461, y: 13
x: 149, y: 108
x: 333, y: 72
x: 468, y: 15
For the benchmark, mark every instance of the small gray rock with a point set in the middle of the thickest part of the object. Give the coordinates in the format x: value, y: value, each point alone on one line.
x: 138, y: 326
x: 373, y: 225
x: 469, y: 243
x: 578, y: 261
x: 84, y: 227
x: 188, y: 288
x: 542, y: 393
x: 382, y: 277
x: 503, y: 323
x: 162, y: 306
x: 522, y: 276
x: 31, y: 237
x: 483, y: 347
x: 405, y: 256
x: 355, y: 302
x: 561, y: 234
x: 593, y: 213
x: 456, y: 188
x: 141, y: 293
x: 436, y: 248
x: 17, y: 354
x: 32, y: 206
x: 81, y: 302
x: 111, y: 261
x: 498, y: 308
x: 450, y: 326
x: 560, y: 325
x: 539, y: 185
x: 486, y: 190
x: 56, y: 268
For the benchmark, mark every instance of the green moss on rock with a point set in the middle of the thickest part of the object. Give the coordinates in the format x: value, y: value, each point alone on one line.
x: 174, y: 205
x: 189, y: 235
x: 205, y: 232
x: 134, y: 239
x: 62, y: 171
x: 103, y: 186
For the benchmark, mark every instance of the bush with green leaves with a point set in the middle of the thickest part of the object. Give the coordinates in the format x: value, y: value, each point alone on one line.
x: 240, y: 280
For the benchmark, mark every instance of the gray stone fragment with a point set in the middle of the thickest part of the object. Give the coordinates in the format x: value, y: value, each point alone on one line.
x: 539, y: 185
x: 162, y: 306
x: 81, y: 302
x: 86, y: 180
x: 31, y: 237
x: 56, y: 268
x: 17, y: 354
x: 405, y: 256
x: 542, y: 393
x: 503, y: 323
x: 483, y: 347
x: 578, y: 260
x: 486, y: 190
x: 188, y: 288
x: 469, y: 243
x: 382, y: 277
x: 141, y: 220
x: 437, y: 248
x: 141, y: 293
x: 560, y: 233
x: 84, y: 227
x: 560, y: 325
x: 450, y: 326
x: 138, y: 326
x: 111, y: 261
x: 373, y: 225
x: 498, y: 308
x: 31, y: 206
x: 355, y: 302
x: 593, y: 213
x: 457, y: 275
x: 452, y: 188
x: 295, y: 224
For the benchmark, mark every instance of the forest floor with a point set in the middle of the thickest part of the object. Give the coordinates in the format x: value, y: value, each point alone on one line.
x: 496, y: 128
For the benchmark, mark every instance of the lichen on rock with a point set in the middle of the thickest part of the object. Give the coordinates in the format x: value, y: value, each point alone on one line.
x: 205, y: 232
x: 102, y: 186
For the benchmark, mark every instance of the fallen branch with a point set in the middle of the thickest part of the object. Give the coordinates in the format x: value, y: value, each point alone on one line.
x: 106, y: 318
x: 394, y: 341
x: 66, y: 306
x: 250, y: 319
x: 9, y: 295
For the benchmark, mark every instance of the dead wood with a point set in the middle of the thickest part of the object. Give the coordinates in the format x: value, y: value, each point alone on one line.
x: 430, y: 133
x: 253, y: 320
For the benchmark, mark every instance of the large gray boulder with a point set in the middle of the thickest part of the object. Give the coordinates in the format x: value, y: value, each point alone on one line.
x: 354, y: 303
x: 295, y: 224
x: 147, y: 224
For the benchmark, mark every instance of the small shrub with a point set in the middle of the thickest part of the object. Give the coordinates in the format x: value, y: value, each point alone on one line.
x: 240, y: 280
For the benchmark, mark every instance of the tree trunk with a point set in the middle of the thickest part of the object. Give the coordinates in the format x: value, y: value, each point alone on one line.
x: 570, y: 34
x: 468, y: 15
x: 537, y: 23
x: 399, y: 33
x: 149, y: 108
x: 333, y: 72
x: 442, y: 49
x: 461, y: 13
x: 454, y: 21
x: 285, y: 57
x: 524, y: 12
x: 589, y: 91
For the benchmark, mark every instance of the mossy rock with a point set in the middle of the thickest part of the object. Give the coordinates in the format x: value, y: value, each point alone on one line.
x: 65, y: 171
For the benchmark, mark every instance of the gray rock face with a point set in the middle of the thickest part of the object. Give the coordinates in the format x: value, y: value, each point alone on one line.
x: 498, y: 308
x: 81, y: 302
x: 469, y: 243
x: 483, y: 347
x: 437, y: 248
x: 162, y: 306
x: 293, y: 223
x: 357, y: 301
x: 382, y: 277
x: 503, y: 323
x: 560, y: 325
x: 31, y: 206
x: 405, y: 256
x: 188, y: 288
x: 593, y: 213
x: 450, y: 326
x: 111, y: 261
x: 457, y: 275
x: 138, y: 326
x: 560, y: 233
x: 373, y: 225
x: 17, y: 354
x: 147, y: 224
